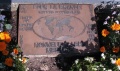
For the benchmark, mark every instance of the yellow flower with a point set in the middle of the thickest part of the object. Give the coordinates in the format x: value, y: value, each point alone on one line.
x: 15, y: 51
x: 116, y: 50
x: 5, y: 52
x: 2, y: 36
x: 102, y: 49
x: 115, y: 27
x: 2, y: 46
x: 9, y: 61
x: 105, y: 32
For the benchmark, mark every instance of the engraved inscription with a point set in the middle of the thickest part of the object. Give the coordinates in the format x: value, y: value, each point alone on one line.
x: 43, y: 27
x: 22, y: 9
x: 91, y: 33
x: 25, y: 27
x: 52, y: 46
x: 26, y: 19
x: 57, y: 6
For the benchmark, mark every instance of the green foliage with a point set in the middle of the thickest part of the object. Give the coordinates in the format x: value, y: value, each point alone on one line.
x: 88, y: 65
x: 19, y: 65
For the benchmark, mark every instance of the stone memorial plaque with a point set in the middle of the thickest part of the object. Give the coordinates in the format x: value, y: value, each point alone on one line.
x: 43, y: 27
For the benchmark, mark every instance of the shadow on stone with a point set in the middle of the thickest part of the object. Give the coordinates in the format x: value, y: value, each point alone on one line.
x: 66, y: 57
x: 68, y: 52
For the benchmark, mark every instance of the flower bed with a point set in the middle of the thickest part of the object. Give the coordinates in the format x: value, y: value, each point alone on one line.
x: 11, y: 56
x: 107, y: 17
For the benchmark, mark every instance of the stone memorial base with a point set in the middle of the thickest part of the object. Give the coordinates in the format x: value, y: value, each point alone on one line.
x: 37, y: 63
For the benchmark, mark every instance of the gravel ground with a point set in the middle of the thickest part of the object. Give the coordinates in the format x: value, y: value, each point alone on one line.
x: 42, y: 64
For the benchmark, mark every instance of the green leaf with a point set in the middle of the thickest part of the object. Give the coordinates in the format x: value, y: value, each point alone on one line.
x: 8, y: 26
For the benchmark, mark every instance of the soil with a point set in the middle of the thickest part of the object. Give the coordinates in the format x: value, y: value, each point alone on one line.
x: 50, y: 63
x: 42, y: 64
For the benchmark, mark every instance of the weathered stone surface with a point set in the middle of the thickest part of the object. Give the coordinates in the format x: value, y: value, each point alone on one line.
x: 43, y: 27
x: 42, y: 64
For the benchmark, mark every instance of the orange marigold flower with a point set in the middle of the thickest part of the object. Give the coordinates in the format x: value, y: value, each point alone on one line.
x: 2, y: 46
x: 5, y: 52
x: 9, y: 61
x: 105, y: 32
x: 15, y: 51
x: 115, y: 27
x: 102, y: 49
x: 118, y: 61
x: 116, y: 50
x: 7, y: 37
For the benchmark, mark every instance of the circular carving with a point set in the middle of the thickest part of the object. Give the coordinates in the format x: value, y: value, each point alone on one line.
x: 58, y: 27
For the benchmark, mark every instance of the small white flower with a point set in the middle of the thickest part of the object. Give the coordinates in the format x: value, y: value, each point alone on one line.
x: 114, y: 13
x: 107, y: 18
x: 27, y: 69
x: 118, y: 4
x: 20, y: 59
x: 113, y: 60
x: 2, y: 17
x: 90, y: 59
x: 13, y: 54
x: 103, y: 56
x: 86, y: 59
x: 80, y: 69
x: 76, y: 61
x: 1, y: 9
x: 105, y: 23
x: 119, y: 14
x: 94, y: 69
x: 118, y: 67
x: 117, y: 21
x: 117, y: 32
x: 101, y: 65
x: 109, y: 70
x: 104, y: 68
